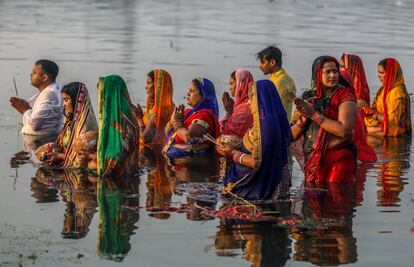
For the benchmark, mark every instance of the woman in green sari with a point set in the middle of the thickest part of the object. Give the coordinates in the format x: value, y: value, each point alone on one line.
x: 118, y: 143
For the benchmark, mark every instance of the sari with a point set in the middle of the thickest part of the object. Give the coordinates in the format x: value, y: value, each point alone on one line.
x: 393, y: 102
x: 83, y: 120
x: 267, y: 142
x: 354, y: 67
x: 118, y: 143
x: 204, y: 114
x: 161, y: 106
x: 324, y: 164
x: 354, y: 73
x: 241, y: 119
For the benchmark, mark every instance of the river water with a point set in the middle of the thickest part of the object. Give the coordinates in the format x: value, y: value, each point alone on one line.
x: 52, y: 217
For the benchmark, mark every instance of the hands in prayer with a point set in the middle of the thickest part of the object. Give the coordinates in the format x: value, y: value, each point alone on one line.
x: 177, y: 118
x: 19, y: 104
x: 228, y: 103
x: 305, y: 108
x: 138, y: 112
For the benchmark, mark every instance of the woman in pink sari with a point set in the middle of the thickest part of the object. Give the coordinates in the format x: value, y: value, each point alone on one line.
x: 238, y: 117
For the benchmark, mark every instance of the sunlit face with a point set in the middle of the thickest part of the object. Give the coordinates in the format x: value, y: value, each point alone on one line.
x: 38, y: 76
x: 150, y: 87
x: 232, y: 86
x: 330, y: 75
x: 266, y: 66
x: 381, y: 74
x: 67, y: 103
x: 194, y: 96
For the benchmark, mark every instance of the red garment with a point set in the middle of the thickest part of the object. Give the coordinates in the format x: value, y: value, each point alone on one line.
x: 205, y: 115
x: 325, y: 164
x: 241, y: 119
x: 354, y: 67
x: 365, y: 151
x: 337, y: 166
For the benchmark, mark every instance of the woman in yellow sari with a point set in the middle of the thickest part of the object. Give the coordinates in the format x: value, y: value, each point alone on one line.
x: 389, y: 114
x: 159, y: 108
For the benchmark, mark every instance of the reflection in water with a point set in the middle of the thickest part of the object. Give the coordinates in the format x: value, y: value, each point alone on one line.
x: 118, y: 201
x: 159, y: 187
x: 393, y: 169
x: 78, y: 189
x: 262, y: 244
x: 329, y: 241
x: 45, y: 186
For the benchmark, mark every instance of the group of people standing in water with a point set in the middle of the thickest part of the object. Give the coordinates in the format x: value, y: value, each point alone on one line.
x: 257, y: 135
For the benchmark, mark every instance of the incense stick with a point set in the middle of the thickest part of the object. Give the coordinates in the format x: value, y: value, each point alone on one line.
x: 15, y: 86
x: 210, y: 138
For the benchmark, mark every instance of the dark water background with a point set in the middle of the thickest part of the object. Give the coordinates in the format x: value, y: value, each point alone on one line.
x: 51, y: 218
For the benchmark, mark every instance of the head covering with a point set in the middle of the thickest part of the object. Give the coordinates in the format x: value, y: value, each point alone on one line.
x: 118, y: 131
x: 317, y: 67
x: 161, y: 105
x: 393, y: 78
x: 270, y: 120
x: 209, y: 100
x: 241, y: 119
x: 354, y: 67
x: 268, y: 141
x: 83, y: 120
x: 243, y: 79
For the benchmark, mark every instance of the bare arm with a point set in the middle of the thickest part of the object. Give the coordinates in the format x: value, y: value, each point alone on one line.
x: 344, y: 126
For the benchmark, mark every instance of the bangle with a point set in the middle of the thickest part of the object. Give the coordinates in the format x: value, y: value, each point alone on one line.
x: 317, y: 118
x: 241, y: 157
x: 238, y: 156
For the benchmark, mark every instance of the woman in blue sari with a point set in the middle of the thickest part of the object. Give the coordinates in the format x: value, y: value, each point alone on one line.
x: 187, y: 127
x: 256, y: 167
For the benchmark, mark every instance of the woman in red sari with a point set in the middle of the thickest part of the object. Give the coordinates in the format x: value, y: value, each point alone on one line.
x: 238, y: 117
x: 352, y: 65
x: 327, y: 118
x: 353, y: 70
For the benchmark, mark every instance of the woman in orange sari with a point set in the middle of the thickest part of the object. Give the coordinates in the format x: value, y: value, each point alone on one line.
x: 158, y: 109
x: 390, y: 113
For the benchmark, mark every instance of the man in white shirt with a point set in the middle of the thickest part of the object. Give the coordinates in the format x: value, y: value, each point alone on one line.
x: 45, y: 117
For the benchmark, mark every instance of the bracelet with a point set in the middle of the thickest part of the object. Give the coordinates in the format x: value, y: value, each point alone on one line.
x: 240, y: 159
x: 238, y: 156
x: 317, y: 118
